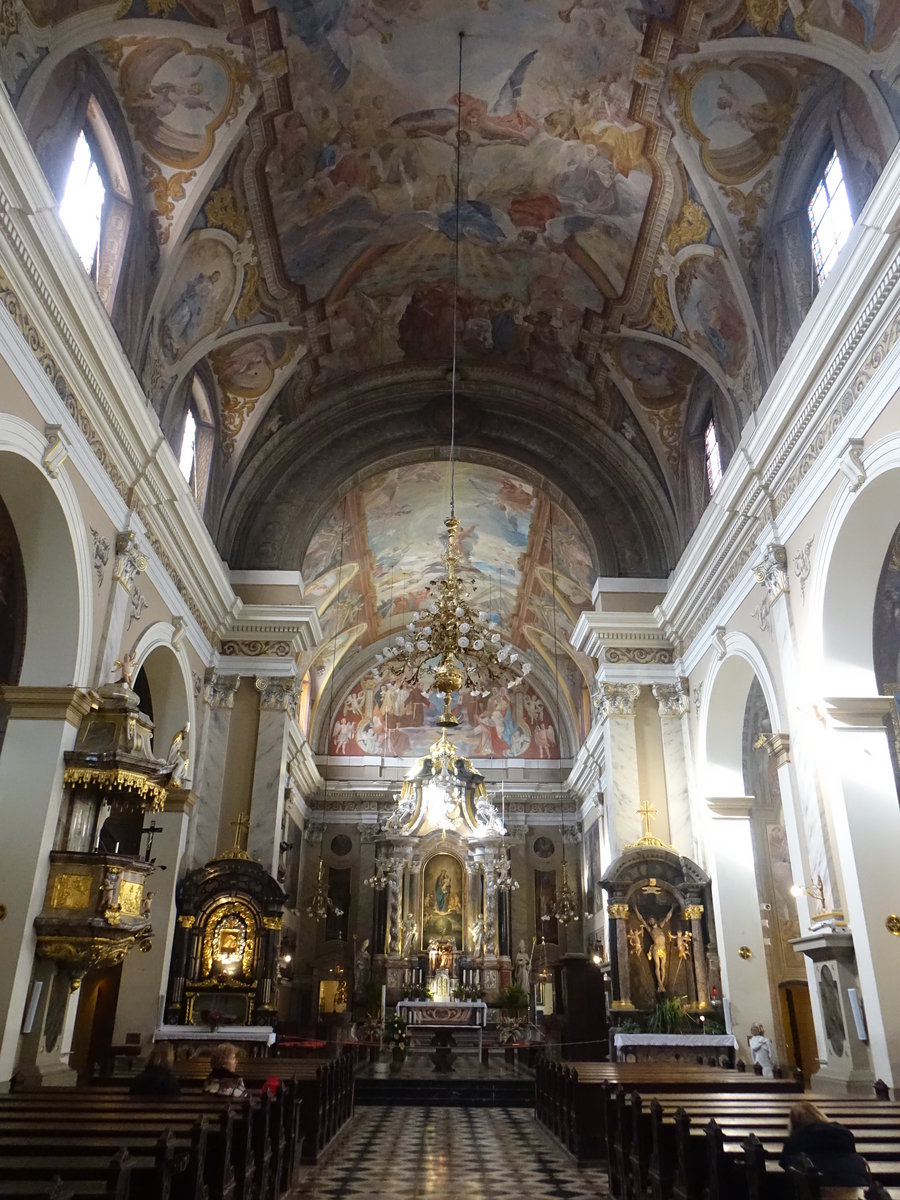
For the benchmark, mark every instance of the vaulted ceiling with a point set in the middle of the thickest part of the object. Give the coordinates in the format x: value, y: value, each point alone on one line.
x: 631, y: 179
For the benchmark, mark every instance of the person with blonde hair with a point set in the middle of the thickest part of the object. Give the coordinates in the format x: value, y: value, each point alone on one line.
x: 762, y: 1052
x: 223, y: 1079
x: 830, y: 1147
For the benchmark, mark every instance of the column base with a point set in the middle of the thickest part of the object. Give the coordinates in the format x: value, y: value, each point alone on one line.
x: 834, y: 1082
x: 32, y: 1076
x: 622, y: 1006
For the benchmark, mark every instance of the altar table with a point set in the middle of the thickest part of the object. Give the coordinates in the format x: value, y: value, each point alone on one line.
x: 663, y: 1047
x: 252, y: 1039
x: 459, y: 1016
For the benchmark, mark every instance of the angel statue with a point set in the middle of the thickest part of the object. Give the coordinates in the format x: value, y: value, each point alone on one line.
x: 126, y: 665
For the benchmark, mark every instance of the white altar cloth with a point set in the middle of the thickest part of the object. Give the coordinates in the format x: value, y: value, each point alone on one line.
x: 714, y: 1041
x: 455, y: 1012
x: 259, y: 1034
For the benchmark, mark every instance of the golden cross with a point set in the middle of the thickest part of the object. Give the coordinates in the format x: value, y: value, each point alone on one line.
x: 646, y: 812
x: 242, y: 824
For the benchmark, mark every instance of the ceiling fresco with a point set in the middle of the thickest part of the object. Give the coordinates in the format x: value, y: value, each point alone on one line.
x: 628, y: 217
x: 533, y: 578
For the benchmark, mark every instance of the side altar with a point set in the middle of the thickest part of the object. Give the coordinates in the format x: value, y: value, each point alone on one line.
x: 660, y: 941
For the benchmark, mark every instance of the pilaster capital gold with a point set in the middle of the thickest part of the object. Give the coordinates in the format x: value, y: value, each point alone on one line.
x: 71, y: 704
x: 692, y: 912
x: 618, y: 912
x: 776, y: 745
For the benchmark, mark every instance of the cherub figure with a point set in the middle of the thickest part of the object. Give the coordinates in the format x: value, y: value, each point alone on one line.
x: 636, y: 941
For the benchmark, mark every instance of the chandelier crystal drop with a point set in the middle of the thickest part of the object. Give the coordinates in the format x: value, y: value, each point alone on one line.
x: 564, y: 908
x: 450, y: 644
x: 386, y: 867
x: 502, y: 876
x: 320, y: 904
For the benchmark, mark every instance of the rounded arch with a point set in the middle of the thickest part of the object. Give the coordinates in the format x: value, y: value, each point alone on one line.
x: 855, y: 535
x: 168, y: 676
x: 56, y: 557
x: 722, y: 714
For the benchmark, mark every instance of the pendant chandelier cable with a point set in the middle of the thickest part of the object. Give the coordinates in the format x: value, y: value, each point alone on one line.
x: 456, y: 278
x: 320, y: 903
x: 565, y: 907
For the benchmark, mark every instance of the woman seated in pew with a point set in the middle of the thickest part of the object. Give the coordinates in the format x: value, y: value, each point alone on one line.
x: 830, y: 1147
x: 157, y: 1077
x: 223, y: 1079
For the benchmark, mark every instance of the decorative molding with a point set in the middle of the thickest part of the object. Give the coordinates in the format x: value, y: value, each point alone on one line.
x: 177, y: 631
x: 137, y: 603
x: 852, y: 465
x: 641, y: 655
x: 57, y: 450
x: 761, y: 613
x: 102, y: 550
x: 219, y: 689
x: 48, y: 703
x: 776, y: 745
x: 718, y: 639
x: 803, y: 566
x: 257, y: 649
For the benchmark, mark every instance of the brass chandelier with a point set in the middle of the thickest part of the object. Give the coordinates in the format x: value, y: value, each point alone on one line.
x: 450, y: 644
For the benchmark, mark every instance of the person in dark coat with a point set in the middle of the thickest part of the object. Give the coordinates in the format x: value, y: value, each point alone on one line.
x: 157, y: 1077
x: 830, y: 1147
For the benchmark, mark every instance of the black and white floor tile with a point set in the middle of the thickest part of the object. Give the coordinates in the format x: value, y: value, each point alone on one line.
x: 473, y: 1153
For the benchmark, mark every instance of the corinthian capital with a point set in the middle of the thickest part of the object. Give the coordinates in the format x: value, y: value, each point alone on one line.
x: 772, y: 572
x: 219, y: 690
x: 616, y: 699
x: 278, y: 693
x: 130, y: 561
x: 672, y: 699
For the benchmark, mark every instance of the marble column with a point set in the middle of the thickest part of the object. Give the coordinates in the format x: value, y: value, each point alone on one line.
x: 673, y: 707
x: 694, y: 914
x: 867, y: 824
x: 739, y: 931
x: 145, y: 976
x: 43, y: 722
x: 615, y: 702
x: 278, y: 699
x: 618, y: 914
x: 130, y: 562
x: 212, y: 765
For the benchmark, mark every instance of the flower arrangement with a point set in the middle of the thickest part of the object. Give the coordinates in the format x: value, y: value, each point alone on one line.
x: 212, y: 1017
x: 461, y: 992
x: 416, y: 991
x: 371, y: 1028
x: 396, y: 1037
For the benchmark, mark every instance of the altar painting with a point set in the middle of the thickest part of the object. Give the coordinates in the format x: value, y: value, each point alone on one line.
x: 442, y: 904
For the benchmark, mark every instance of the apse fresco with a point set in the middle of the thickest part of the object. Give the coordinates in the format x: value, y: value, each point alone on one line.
x: 379, y: 577
x: 400, y: 722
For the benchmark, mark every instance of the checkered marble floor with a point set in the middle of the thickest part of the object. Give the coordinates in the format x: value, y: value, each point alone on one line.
x: 478, y: 1153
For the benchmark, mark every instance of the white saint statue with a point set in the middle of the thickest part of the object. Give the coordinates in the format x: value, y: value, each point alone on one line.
x: 478, y: 938
x: 523, y: 968
x: 409, y: 929
x: 178, y: 758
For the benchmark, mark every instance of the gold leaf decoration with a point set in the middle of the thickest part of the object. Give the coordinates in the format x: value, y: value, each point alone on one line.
x: 667, y: 422
x: 235, y: 411
x: 161, y: 8
x: 222, y: 212
x: 248, y: 304
x: 661, y: 314
x: 691, y: 226
x: 166, y: 191
x: 746, y: 205
x: 765, y: 15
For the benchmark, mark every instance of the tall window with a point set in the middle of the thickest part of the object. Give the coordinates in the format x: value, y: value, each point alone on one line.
x: 82, y: 204
x: 713, y: 457
x: 830, y: 218
x: 188, y: 452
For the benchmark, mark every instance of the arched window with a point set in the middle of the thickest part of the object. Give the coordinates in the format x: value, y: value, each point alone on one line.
x: 830, y: 219
x: 96, y: 204
x: 198, y: 437
x: 713, y: 455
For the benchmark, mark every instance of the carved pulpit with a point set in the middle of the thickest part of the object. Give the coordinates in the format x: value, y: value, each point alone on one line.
x: 224, y: 967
